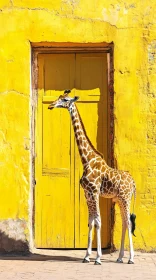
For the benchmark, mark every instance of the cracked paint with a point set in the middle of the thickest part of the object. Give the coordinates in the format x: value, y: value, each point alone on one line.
x: 111, y: 15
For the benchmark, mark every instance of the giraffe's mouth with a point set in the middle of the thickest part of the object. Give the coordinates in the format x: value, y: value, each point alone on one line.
x: 51, y: 106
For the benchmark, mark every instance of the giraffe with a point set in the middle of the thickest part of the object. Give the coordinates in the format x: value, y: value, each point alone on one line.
x: 99, y: 179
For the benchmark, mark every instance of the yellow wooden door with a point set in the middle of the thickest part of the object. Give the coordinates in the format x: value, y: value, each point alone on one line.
x: 61, y: 215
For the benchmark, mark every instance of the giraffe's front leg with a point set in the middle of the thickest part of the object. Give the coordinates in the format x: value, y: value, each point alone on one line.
x: 89, y: 248
x: 94, y: 219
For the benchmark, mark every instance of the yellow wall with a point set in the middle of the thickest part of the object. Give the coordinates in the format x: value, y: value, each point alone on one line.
x: 131, y: 26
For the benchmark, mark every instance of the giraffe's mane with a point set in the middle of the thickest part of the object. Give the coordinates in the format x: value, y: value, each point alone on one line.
x: 90, y: 143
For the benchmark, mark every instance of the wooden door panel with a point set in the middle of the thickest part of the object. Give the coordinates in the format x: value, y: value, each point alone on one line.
x: 56, y: 142
x: 59, y: 72
x: 54, y: 192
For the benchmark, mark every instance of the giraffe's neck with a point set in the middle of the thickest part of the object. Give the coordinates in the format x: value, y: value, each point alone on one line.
x: 86, y: 149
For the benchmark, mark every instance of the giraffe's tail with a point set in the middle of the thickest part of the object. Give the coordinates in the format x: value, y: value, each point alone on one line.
x: 133, y: 216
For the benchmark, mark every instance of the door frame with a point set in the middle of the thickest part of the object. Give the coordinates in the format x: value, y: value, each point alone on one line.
x: 45, y: 48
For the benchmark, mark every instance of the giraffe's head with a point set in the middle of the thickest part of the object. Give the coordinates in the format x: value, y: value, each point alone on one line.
x: 64, y: 101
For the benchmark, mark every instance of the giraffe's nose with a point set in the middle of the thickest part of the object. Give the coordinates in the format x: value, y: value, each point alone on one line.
x: 51, y: 106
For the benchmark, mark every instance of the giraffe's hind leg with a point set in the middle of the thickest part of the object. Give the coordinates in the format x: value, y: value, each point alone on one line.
x: 126, y: 224
x: 131, y: 258
x: 98, y: 233
x: 121, y: 253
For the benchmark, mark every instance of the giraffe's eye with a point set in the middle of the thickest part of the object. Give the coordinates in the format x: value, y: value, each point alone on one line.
x: 65, y: 99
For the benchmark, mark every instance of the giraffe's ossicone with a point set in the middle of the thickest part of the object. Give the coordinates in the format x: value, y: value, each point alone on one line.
x: 99, y: 179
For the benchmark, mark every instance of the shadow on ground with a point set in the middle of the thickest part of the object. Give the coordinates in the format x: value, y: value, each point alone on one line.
x: 42, y: 257
x: 39, y: 257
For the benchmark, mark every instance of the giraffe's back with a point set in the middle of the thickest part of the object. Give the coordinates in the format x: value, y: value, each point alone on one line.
x: 117, y: 184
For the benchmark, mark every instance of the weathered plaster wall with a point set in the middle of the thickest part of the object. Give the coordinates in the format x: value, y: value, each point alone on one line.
x: 131, y: 26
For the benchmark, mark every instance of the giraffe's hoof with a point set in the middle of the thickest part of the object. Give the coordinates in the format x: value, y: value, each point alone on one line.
x: 85, y: 260
x: 130, y: 262
x: 97, y: 263
x: 119, y: 261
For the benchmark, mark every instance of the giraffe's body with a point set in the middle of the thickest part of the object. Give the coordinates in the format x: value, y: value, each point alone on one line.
x: 99, y: 179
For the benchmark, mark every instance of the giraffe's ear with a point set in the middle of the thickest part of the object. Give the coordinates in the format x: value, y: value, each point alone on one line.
x: 76, y: 98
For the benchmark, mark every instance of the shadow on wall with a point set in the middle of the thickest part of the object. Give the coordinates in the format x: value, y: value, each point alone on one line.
x: 11, y: 245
